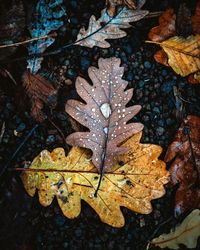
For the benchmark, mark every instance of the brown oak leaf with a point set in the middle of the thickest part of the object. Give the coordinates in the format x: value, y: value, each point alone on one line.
x: 185, y: 167
x: 105, y: 113
x: 39, y: 90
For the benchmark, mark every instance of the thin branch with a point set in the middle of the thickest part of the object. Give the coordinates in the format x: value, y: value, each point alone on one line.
x: 18, y: 149
x: 27, y: 41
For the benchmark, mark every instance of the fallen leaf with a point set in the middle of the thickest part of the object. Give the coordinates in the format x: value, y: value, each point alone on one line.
x: 39, y: 91
x: 105, y: 113
x: 170, y: 26
x: 186, y: 233
x: 46, y: 20
x: 113, y: 4
x: 107, y: 27
x: 166, y: 27
x: 183, y: 54
x: 161, y: 57
x: 196, y: 20
x: 184, y: 152
x: 137, y: 178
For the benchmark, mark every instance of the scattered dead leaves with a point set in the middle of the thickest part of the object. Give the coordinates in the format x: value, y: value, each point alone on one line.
x: 136, y: 178
x: 184, y: 152
x: 182, y: 54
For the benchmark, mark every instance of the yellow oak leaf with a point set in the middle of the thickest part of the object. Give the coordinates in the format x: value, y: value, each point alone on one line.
x: 137, y: 177
x: 183, y: 54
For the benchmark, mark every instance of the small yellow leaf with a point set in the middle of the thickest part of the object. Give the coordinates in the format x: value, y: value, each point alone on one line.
x: 183, y: 54
x: 186, y: 233
x: 136, y: 178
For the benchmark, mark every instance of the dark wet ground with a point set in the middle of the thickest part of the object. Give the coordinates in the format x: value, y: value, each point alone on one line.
x: 24, y: 223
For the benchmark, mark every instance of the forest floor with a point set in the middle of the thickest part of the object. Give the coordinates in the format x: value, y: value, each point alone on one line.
x: 25, y: 224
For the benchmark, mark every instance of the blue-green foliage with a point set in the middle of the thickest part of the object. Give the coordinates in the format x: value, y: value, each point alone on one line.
x: 47, y: 18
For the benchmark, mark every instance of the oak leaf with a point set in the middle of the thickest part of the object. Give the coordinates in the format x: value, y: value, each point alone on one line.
x: 137, y: 178
x: 40, y: 91
x: 184, y: 152
x: 105, y: 113
x: 108, y: 27
x: 47, y: 18
x: 186, y: 233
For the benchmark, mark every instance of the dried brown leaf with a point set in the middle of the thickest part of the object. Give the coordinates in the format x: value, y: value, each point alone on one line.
x: 185, y: 167
x: 105, y: 113
x: 112, y: 5
x: 39, y: 91
x: 166, y: 27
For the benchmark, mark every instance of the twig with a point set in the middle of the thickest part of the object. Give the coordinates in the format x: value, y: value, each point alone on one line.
x: 187, y: 132
x: 154, y: 14
x: 2, y: 131
x: 7, y: 73
x: 26, y: 41
x: 18, y: 149
x: 59, y: 130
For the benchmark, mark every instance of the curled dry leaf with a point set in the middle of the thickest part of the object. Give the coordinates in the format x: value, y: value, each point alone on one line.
x: 107, y: 27
x: 105, y: 113
x: 39, y: 91
x: 71, y: 179
x: 166, y: 27
x: 185, y: 167
x: 186, y: 233
x: 131, y: 4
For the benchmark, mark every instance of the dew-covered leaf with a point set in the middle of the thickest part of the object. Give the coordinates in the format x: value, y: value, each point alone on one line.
x: 108, y: 27
x: 137, y: 178
x: 105, y: 113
